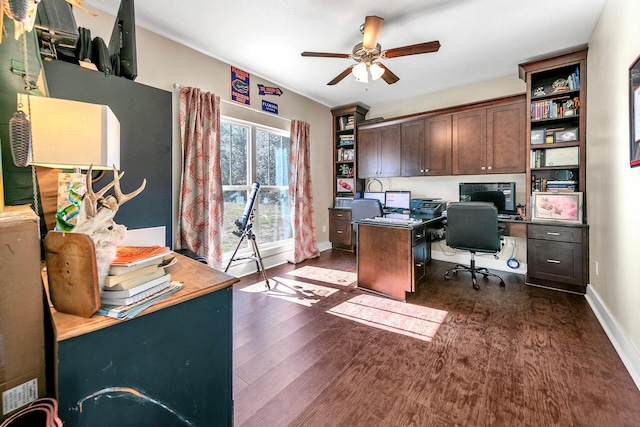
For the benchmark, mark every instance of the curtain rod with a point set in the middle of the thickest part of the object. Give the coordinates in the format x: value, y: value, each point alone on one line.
x: 179, y: 86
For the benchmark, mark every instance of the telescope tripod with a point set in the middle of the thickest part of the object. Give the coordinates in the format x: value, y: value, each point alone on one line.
x: 248, y: 233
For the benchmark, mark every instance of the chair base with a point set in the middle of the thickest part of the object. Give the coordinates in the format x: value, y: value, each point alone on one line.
x: 473, y: 270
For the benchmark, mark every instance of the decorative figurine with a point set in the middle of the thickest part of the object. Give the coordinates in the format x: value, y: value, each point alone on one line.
x: 560, y: 85
x: 539, y: 92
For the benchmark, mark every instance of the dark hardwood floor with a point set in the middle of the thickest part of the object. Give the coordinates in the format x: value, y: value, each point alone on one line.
x: 514, y: 356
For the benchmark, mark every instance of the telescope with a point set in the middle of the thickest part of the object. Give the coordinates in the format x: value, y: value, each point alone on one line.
x: 245, y: 225
x: 248, y: 210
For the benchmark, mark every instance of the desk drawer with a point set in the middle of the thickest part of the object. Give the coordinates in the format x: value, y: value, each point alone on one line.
x: 418, y: 235
x: 341, y: 214
x: 555, y: 261
x: 556, y: 233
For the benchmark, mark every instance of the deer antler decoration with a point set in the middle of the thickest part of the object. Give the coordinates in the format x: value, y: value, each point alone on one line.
x: 96, y: 219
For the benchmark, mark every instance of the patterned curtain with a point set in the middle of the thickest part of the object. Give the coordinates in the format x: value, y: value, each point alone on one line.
x: 201, y: 202
x: 300, y: 195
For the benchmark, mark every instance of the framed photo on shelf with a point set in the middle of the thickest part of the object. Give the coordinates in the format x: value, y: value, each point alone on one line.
x: 565, y: 135
x: 537, y: 136
x: 560, y: 207
x: 634, y: 112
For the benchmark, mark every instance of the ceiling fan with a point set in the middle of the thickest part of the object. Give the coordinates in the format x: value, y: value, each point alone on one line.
x: 369, y: 51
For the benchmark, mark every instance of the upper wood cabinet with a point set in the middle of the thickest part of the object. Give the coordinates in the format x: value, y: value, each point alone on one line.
x: 426, y: 146
x: 490, y: 140
x: 379, y: 151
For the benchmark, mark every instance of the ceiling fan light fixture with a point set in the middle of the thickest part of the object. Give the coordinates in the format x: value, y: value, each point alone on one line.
x: 376, y: 71
x: 360, y: 72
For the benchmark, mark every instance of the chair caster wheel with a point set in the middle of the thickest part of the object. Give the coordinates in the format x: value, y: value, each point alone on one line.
x: 502, y: 284
x: 475, y: 284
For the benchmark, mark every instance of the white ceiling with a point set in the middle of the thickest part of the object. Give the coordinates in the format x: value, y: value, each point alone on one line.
x: 481, y: 39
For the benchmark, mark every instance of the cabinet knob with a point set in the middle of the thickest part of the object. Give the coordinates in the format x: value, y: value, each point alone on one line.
x: 421, y: 170
x: 489, y: 168
x: 553, y: 261
x: 482, y: 168
x: 426, y: 170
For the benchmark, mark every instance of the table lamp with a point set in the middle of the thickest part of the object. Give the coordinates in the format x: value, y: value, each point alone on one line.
x: 74, y: 135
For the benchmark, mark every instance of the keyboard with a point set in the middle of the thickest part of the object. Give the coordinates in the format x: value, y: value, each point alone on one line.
x: 388, y: 220
x: 507, y: 216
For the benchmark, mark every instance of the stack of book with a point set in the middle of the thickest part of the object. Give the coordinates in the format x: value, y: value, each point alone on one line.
x: 561, y: 186
x: 136, y: 280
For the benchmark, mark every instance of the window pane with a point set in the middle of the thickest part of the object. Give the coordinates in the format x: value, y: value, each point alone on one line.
x: 274, y: 218
x: 234, y: 145
x: 234, y: 203
x: 272, y: 158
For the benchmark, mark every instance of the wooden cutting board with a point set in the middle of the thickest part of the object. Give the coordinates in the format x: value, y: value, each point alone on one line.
x: 72, y: 273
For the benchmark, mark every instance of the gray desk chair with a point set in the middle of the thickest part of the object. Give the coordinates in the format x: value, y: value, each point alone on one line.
x: 364, y: 208
x: 473, y: 227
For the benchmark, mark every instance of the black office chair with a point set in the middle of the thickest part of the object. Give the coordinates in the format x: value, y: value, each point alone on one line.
x: 364, y: 208
x: 473, y: 227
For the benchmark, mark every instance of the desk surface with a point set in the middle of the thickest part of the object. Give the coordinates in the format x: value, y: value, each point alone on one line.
x: 198, y: 279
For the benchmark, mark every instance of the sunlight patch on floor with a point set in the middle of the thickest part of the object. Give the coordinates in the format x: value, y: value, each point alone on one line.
x: 292, y: 290
x: 327, y: 275
x: 394, y: 316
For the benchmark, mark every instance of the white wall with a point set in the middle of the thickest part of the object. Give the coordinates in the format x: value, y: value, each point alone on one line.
x: 162, y: 62
x: 613, y: 187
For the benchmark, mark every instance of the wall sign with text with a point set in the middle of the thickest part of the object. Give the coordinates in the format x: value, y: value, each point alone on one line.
x: 266, y: 90
x: 240, y: 86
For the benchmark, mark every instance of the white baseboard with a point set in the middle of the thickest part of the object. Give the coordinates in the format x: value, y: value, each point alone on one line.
x: 625, y: 348
x: 271, y: 257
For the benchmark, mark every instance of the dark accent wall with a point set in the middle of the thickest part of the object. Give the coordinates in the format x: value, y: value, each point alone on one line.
x: 144, y: 113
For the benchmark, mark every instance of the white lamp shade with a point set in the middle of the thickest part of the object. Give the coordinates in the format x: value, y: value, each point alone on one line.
x: 360, y: 72
x: 376, y: 71
x: 70, y: 134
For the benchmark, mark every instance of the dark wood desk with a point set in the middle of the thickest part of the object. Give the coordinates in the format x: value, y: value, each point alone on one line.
x: 170, y: 365
x: 392, y: 257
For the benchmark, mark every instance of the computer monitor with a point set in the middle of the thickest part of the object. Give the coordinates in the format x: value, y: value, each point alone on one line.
x: 398, y: 200
x: 378, y: 195
x: 501, y: 194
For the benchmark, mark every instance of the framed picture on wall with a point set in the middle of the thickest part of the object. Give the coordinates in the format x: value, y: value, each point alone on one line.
x: 634, y: 112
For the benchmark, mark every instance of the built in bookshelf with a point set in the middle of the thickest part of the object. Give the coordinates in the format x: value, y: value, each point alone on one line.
x: 556, y: 95
x: 346, y: 185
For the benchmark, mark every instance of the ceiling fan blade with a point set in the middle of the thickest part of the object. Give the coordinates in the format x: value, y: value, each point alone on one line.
x: 388, y: 76
x: 372, y: 28
x: 326, y: 55
x: 414, y: 49
x: 340, y: 76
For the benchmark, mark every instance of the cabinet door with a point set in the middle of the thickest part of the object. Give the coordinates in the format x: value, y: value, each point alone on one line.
x: 368, y: 141
x: 413, y: 143
x: 506, y: 138
x: 437, y: 150
x: 389, y: 154
x: 470, y: 142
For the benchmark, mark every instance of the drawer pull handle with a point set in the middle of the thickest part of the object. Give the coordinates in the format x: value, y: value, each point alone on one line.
x: 339, y: 215
x: 419, y: 264
x: 553, y: 261
x: 552, y: 234
x: 339, y: 231
x: 419, y: 236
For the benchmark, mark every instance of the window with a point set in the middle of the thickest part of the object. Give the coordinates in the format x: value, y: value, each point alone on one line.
x: 251, y: 153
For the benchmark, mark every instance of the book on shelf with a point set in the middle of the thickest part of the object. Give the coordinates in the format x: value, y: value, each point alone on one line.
x: 131, y: 310
x: 130, y: 296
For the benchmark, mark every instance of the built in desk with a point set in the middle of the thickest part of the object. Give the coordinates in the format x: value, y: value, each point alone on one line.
x: 392, y: 256
x: 171, y: 365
